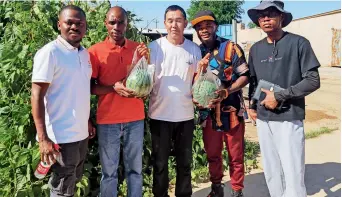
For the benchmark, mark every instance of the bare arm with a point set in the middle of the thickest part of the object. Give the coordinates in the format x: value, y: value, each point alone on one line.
x: 38, y: 110
x: 241, y: 82
x: 46, y: 146
x: 98, y: 89
x: 117, y: 88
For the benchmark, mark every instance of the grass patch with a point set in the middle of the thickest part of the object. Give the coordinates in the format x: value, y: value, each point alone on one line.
x: 318, y: 132
x: 252, y: 151
x: 200, y: 175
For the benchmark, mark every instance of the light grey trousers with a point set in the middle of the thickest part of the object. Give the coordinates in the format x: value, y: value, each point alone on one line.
x: 282, y: 146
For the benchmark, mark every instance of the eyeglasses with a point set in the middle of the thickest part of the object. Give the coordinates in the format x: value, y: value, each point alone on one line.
x: 268, y: 13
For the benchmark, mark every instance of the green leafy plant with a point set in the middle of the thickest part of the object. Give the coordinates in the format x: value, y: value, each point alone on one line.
x: 251, y: 25
x: 318, y: 132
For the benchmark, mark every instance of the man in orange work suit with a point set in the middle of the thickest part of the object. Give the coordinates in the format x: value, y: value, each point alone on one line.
x: 119, y: 114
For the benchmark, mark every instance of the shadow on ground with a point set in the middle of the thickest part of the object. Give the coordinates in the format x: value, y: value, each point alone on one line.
x: 324, y: 177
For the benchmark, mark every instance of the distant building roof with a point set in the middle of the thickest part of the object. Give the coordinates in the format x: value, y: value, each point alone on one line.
x: 164, y: 31
x: 319, y: 15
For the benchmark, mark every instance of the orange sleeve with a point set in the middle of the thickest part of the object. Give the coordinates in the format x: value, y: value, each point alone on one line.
x: 94, y: 62
x: 236, y: 56
x: 229, y: 52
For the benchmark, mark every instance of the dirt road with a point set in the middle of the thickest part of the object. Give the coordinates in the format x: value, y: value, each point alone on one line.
x: 323, y: 171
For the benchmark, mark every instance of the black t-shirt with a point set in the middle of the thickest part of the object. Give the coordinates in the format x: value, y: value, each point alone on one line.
x: 284, y: 64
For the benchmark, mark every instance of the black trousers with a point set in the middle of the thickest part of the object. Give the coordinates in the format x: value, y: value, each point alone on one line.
x: 175, y: 137
x: 64, y: 178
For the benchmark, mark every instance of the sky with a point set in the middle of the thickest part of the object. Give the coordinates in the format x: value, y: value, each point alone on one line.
x: 154, y: 10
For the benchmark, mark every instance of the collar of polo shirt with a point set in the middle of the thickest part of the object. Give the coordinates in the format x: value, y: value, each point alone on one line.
x: 113, y: 46
x: 67, y: 44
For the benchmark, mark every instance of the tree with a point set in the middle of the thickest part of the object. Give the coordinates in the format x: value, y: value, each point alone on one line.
x: 224, y: 11
x: 251, y: 25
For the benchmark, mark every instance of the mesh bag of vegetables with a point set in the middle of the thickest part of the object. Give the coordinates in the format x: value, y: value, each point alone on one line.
x: 205, y: 87
x: 140, y: 77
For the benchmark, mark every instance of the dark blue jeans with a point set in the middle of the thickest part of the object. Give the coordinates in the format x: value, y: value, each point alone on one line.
x: 109, y: 136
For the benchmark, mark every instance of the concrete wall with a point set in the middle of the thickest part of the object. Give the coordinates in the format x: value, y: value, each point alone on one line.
x: 247, y: 37
x: 195, y: 38
x: 318, y: 29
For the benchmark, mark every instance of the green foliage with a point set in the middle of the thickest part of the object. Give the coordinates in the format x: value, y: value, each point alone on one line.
x: 318, y: 132
x: 252, y: 150
x: 251, y: 25
x: 224, y: 11
x: 199, y: 157
x: 24, y: 28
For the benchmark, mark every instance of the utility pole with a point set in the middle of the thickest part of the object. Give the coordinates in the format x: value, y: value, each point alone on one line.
x: 149, y: 22
x: 234, y: 28
x: 157, y: 23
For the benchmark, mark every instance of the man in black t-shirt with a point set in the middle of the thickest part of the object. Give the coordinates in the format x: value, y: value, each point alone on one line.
x: 286, y: 60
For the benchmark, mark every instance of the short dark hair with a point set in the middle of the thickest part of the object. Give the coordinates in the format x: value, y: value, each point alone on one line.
x: 121, y: 9
x: 174, y: 8
x: 72, y: 7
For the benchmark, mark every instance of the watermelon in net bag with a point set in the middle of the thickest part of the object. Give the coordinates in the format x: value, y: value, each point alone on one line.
x: 140, y: 77
x: 205, y: 87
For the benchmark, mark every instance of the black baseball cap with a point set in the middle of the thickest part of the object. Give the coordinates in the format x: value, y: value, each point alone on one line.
x: 204, y: 15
